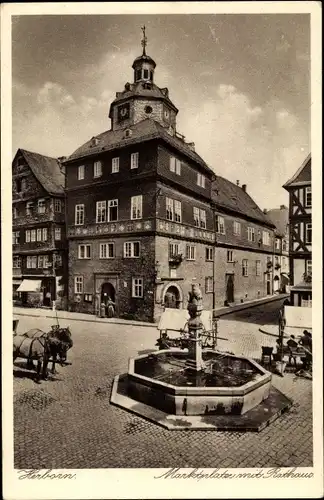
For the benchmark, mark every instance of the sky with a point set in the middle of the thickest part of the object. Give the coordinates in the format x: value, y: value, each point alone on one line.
x: 241, y: 83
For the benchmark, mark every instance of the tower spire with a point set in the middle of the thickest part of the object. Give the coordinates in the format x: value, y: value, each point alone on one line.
x: 144, y: 40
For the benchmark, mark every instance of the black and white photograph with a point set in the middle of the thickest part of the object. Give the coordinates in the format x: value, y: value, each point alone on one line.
x: 160, y: 177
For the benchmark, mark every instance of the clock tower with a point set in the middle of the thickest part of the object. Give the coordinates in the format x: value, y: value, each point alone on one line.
x: 143, y: 99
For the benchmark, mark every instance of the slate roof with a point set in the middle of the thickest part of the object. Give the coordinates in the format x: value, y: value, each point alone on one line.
x: 46, y: 170
x: 303, y: 174
x: 142, y: 131
x: 280, y: 218
x: 228, y: 195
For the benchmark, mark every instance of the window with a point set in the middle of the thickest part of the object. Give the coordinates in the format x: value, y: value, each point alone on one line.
x: 78, y: 284
x: 173, y: 249
x: 220, y: 224
x: 97, y: 169
x: 308, y: 236
x: 57, y: 205
x: 33, y: 235
x: 107, y: 251
x: 84, y: 252
x: 276, y: 260
x: 146, y: 73
x: 173, y: 210
x: 251, y: 234
x: 101, y: 211
x: 258, y: 267
x: 112, y: 210
x: 41, y: 206
x: 237, y: 228
x: 230, y: 256
x: 201, y: 180
x: 16, y: 262
x: 21, y: 185
x: 131, y: 249
x: 137, y: 288
x: 190, y: 252
x: 57, y: 233
x: 27, y: 236
x: 80, y: 172
x: 40, y: 262
x: 244, y: 267
x: 199, y: 217
x: 134, y: 160
x: 308, y: 201
x: 115, y: 165
x: 284, y: 245
x: 58, y: 261
x: 209, y: 284
x: 308, y: 267
x: 79, y: 215
x: 39, y: 234
x: 31, y: 261
x: 175, y: 165
x: 29, y: 208
x: 277, y: 244
x: 15, y: 237
x: 136, y: 207
x: 209, y: 253
x: 14, y: 213
x: 265, y: 238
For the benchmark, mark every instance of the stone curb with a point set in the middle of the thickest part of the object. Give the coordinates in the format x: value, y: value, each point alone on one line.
x: 94, y: 319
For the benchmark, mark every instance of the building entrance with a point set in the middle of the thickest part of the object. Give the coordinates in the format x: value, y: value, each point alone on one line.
x: 172, y: 298
x: 108, y: 297
x: 229, y: 288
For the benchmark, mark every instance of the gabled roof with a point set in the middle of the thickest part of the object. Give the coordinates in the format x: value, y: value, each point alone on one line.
x: 142, y: 131
x: 229, y: 196
x: 303, y: 174
x: 280, y: 218
x: 46, y: 170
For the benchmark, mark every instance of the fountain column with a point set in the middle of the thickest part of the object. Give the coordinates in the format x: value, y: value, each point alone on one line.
x: 195, y: 327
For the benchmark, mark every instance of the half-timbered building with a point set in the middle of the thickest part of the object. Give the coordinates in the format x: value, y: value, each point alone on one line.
x: 280, y: 218
x: 38, y: 233
x: 299, y: 188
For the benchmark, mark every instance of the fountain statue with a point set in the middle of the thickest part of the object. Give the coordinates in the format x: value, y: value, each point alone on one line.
x: 196, y: 388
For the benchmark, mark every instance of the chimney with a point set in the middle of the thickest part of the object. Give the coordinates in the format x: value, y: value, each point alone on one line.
x: 237, y: 183
x: 283, y: 207
x: 265, y: 211
x: 191, y: 145
x: 244, y: 187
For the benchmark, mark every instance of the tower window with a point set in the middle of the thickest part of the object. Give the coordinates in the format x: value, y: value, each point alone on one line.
x: 148, y: 109
x: 138, y: 74
x: 151, y: 76
x: 146, y: 73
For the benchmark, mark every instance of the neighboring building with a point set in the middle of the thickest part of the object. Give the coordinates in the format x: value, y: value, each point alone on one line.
x: 244, y: 245
x: 299, y: 188
x: 140, y: 222
x: 39, y: 239
x: 280, y: 218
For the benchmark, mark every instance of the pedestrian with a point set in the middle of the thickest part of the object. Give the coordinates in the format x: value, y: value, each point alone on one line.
x: 110, y: 308
x: 306, y: 343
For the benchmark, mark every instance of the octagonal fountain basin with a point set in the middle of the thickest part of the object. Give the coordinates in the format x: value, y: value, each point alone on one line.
x: 229, y: 384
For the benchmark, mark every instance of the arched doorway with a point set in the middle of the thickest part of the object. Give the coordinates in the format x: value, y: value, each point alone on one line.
x: 172, y: 298
x: 108, y: 297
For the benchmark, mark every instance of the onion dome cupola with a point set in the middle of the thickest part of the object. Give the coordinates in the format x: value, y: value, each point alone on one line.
x: 143, y: 99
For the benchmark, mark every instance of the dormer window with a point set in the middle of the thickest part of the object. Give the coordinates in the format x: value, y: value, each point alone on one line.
x: 128, y: 133
x: 94, y: 141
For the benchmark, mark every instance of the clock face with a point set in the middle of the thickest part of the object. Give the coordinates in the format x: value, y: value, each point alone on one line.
x: 166, y: 114
x: 123, y: 112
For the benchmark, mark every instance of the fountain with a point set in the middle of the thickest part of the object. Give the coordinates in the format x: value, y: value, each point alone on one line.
x: 194, y: 388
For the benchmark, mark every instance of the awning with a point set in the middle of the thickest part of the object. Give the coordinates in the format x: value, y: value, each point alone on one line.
x: 30, y: 286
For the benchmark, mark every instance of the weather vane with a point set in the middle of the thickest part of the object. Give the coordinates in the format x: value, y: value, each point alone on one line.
x: 144, y: 41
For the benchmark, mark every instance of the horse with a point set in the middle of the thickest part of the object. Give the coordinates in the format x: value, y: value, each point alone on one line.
x: 39, y: 348
x: 62, y: 335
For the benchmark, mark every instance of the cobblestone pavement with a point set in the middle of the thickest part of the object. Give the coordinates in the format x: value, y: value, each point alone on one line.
x: 68, y: 422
